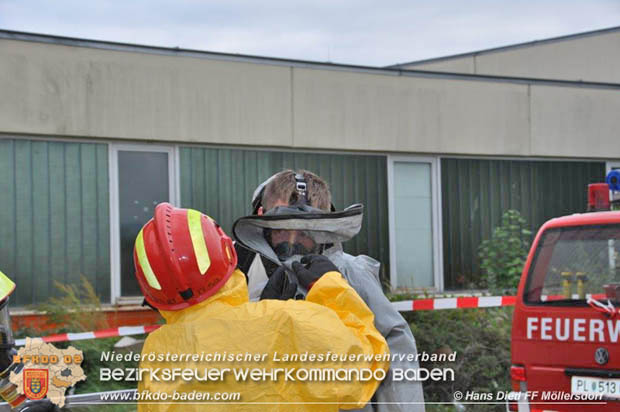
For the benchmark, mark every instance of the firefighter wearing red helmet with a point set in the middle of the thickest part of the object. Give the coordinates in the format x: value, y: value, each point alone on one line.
x: 189, y: 258
x: 186, y: 268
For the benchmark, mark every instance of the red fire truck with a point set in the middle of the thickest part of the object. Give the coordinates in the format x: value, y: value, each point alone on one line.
x: 566, y: 324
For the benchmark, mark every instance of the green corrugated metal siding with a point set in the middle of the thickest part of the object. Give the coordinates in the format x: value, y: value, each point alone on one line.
x: 220, y: 182
x: 54, y: 221
x: 475, y: 193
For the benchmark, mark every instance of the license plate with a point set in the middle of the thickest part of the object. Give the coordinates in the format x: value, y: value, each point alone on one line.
x: 609, y: 388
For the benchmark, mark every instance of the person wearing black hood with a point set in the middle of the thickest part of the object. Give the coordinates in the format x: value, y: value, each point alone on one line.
x: 293, y: 217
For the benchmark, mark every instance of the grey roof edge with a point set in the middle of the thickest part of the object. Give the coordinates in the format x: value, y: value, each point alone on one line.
x: 388, y: 71
x: 169, y: 51
x: 511, y: 46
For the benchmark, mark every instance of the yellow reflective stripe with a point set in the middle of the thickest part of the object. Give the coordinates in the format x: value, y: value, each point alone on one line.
x: 143, y: 260
x: 198, y: 240
x: 228, y: 253
x: 6, y: 286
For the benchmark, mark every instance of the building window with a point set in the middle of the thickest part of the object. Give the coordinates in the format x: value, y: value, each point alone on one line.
x: 414, y: 224
x: 142, y: 176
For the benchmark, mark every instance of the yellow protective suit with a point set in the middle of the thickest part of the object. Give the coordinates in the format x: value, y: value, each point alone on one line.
x: 332, y: 319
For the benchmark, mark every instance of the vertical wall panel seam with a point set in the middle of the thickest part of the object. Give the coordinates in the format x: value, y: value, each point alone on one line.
x: 465, y: 237
x: 32, y: 242
x: 367, y: 170
x: 502, y: 206
x: 356, y: 191
x: 456, y: 252
x: 80, y: 167
x: 573, y: 194
x: 481, y: 214
x: 510, y: 191
x: 205, y: 177
x: 342, y: 175
x: 378, y: 226
x: 529, y: 119
x: 244, y: 156
x: 491, y: 189
x: 458, y: 236
x: 15, y: 206
x: 545, y: 198
x: 292, y: 108
x: 560, y: 195
x: 217, y: 169
x: 189, y: 173
x: 472, y: 170
x: 569, y: 173
x: 258, y: 176
x: 448, y: 235
x: 49, y: 222
x: 447, y: 251
x: 463, y: 233
x: 471, y: 217
x: 331, y: 174
x: 97, y: 234
x: 530, y: 201
x: 64, y: 171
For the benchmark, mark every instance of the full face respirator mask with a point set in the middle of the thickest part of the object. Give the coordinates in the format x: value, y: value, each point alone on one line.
x: 287, y: 231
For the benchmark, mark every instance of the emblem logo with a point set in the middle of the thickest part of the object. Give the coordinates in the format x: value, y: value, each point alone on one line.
x: 36, y: 383
x: 601, y: 356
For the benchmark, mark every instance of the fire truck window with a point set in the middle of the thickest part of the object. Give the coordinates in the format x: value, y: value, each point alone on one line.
x: 572, y: 264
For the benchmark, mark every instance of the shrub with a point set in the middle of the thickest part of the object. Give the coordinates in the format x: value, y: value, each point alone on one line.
x: 81, y: 300
x: 77, y: 309
x: 503, y: 256
x: 481, y: 339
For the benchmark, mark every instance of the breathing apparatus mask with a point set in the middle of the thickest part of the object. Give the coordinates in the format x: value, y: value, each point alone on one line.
x: 289, y: 242
x: 286, y: 233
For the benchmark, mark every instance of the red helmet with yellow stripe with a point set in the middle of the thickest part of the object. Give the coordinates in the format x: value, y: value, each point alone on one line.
x: 182, y: 257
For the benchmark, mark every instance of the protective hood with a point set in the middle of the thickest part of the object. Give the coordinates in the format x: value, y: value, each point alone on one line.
x: 313, y: 228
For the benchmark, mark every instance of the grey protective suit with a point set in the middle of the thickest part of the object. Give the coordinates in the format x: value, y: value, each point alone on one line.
x: 362, y: 273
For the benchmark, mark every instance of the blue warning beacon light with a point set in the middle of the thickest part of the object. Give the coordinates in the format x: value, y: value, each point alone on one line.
x: 613, y: 180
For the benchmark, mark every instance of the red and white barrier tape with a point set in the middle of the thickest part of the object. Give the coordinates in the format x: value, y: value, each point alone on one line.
x: 464, y: 302
x: 97, y: 334
x: 402, y: 306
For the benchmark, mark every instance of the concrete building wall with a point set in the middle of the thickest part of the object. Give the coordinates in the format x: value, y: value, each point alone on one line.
x: 79, y: 91
x: 590, y: 119
x: 354, y: 111
x: 590, y: 58
x: 59, y: 90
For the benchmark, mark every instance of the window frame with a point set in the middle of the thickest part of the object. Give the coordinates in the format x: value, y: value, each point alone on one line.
x: 436, y: 216
x: 174, y: 196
